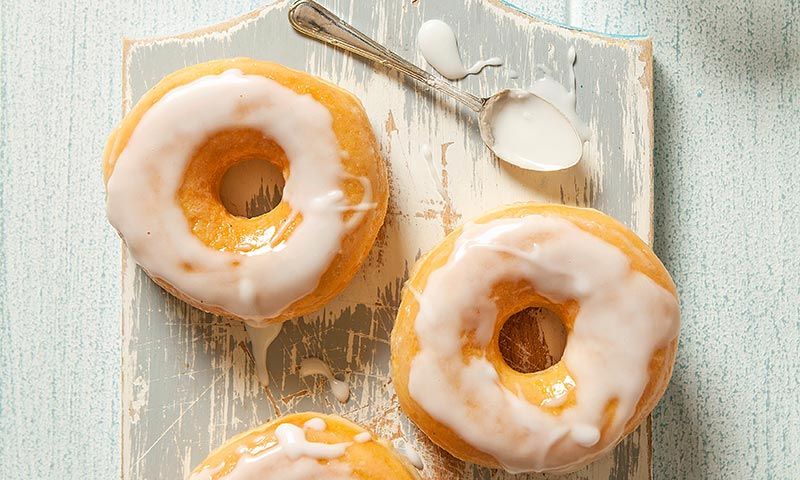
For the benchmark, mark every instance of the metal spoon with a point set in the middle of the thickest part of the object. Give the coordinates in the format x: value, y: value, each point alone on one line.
x: 312, y: 19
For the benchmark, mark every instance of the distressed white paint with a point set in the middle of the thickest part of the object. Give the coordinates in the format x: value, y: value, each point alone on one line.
x: 726, y: 79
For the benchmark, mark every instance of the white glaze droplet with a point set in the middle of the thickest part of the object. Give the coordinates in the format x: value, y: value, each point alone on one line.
x: 410, y: 454
x: 315, y: 366
x: 538, y: 128
x: 362, y: 437
x: 438, y: 44
x: 315, y: 423
x: 142, y: 194
x: 585, y: 435
x: 260, y: 340
x: 478, y: 66
x: 294, y: 443
x: 624, y: 317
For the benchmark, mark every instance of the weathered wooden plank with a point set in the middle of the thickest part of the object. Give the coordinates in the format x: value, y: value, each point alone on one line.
x: 202, y: 362
x: 188, y: 382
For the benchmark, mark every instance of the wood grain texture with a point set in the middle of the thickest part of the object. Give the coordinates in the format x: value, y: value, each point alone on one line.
x: 727, y: 225
x: 188, y: 381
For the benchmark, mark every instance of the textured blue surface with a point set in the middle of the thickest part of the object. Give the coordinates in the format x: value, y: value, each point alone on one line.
x: 727, y: 90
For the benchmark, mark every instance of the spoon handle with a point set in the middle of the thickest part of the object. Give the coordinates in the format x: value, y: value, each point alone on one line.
x: 314, y: 20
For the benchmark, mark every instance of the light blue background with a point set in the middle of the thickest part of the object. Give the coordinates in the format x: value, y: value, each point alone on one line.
x: 727, y: 90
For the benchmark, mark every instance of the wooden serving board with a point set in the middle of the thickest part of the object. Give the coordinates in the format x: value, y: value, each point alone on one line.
x: 188, y: 380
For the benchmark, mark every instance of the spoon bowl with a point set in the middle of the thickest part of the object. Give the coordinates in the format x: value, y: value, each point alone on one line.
x: 520, y: 127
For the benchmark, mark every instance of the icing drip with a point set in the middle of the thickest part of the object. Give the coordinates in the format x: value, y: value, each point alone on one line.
x: 260, y: 340
x: 142, y: 205
x: 362, y: 437
x: 293, y: 441
x: 411, y: 455
x: 439, y: 46
x: 316, y: 423
x: 315, y: 366
x: 292, y: 458
x: 361, y: 208
x: 624, y: 318
x: 538, y: 128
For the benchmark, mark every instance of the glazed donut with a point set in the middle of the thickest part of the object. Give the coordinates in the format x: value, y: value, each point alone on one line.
x: 619, y: 309
x: 305, y: 446
x: 164, y: 163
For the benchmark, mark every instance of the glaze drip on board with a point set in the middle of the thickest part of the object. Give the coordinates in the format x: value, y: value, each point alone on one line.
x: 564, y: 263
x: 315, y: 366
x: 260, y: 340
x: 410, y: 454
x: 142, y: 205
x: 439, y: 47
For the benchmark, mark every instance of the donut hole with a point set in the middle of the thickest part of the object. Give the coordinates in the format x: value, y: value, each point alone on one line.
x: 532, y: 340
x: 232, y: 188
x: 251, y: 187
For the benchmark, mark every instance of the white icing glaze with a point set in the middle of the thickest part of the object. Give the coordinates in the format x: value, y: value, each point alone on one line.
x: 410, y: 454
x: 294, y: 443
x: 362, y: 437
x: 292, y: 458
x: 585, y: 435
x: 142, y: 206
x: 438, y: 44
x: 315, y: 366
x: 315, y: 423
x: 271, y: 465
x: 624, y: 318
x: 538, y: 128
x: 260, y: 340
